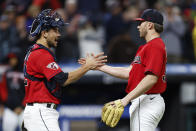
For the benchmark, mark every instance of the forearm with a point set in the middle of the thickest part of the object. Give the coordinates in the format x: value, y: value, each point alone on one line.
x: 76, y: 74
x: 119, y: 72
x: 146, y: 84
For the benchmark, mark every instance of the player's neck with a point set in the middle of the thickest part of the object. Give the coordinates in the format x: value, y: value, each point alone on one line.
x: 151, y: 35
x: 42, y: 42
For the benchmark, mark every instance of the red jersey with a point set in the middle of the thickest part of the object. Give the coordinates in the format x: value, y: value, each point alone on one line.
x: 152, y: 58
x: 41, y: 64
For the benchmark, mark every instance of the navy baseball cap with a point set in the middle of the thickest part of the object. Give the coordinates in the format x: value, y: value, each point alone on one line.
x: 151, y: 15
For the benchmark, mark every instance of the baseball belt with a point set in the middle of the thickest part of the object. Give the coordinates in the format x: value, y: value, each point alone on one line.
x: 48, y: 105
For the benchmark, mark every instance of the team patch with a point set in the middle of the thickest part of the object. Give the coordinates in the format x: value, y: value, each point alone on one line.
x: 137, y: 60
x: 53, y: 66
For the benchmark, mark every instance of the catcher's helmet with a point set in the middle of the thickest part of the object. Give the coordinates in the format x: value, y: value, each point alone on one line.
x: 45, y: 20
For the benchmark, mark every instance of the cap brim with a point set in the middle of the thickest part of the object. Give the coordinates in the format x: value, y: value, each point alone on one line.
x: 138, y: 19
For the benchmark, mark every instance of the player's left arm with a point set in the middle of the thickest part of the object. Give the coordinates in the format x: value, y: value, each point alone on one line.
x: 112, y: 111
x: 145, y: 84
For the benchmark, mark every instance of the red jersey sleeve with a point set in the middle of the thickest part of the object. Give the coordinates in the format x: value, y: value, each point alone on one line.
x: 154, y: 60
x: 48, y: 66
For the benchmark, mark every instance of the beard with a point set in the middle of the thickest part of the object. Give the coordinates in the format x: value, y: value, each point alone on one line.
x: 51, y: 44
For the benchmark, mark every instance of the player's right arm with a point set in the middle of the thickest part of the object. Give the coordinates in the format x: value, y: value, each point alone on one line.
x: 76, y: 74
x: 52, y: 71
x: 119, y: 72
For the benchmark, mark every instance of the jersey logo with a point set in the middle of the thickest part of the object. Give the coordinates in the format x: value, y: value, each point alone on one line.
x: 137, y: 60
x: 164, y: 78
x: 25, y: 82
x: 53, y: 66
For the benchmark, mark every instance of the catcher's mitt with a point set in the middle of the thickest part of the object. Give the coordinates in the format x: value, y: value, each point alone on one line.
x: 112, y: 112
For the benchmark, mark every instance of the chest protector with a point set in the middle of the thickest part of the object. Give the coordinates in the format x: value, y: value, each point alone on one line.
x: 52, y: 86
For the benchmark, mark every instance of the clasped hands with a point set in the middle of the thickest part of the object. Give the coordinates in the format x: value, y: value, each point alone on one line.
x: 93, y: 61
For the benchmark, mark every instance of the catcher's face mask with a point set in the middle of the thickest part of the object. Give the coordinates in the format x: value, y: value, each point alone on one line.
x: 46, y: 19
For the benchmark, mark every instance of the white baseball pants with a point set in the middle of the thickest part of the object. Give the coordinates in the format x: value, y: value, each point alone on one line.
x: 145, y: 112
x: 41, y: 118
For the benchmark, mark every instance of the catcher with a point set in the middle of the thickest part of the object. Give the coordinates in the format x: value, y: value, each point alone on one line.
x: 44, y: 78
x: 146, y: 78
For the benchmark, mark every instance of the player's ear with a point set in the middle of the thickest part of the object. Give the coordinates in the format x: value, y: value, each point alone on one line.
x: 150, y: 25
x: 45, y: 34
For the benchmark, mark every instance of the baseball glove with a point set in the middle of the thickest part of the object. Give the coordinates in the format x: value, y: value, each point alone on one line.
x: 111, y: 113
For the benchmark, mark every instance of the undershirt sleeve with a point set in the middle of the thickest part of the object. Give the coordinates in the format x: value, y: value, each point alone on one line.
x: 60, y: 78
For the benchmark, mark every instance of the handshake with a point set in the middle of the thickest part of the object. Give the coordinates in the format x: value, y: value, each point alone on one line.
x: 93, y: 62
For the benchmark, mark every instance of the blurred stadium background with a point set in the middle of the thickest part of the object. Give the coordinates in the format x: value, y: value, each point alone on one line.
x: 95, y: 26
